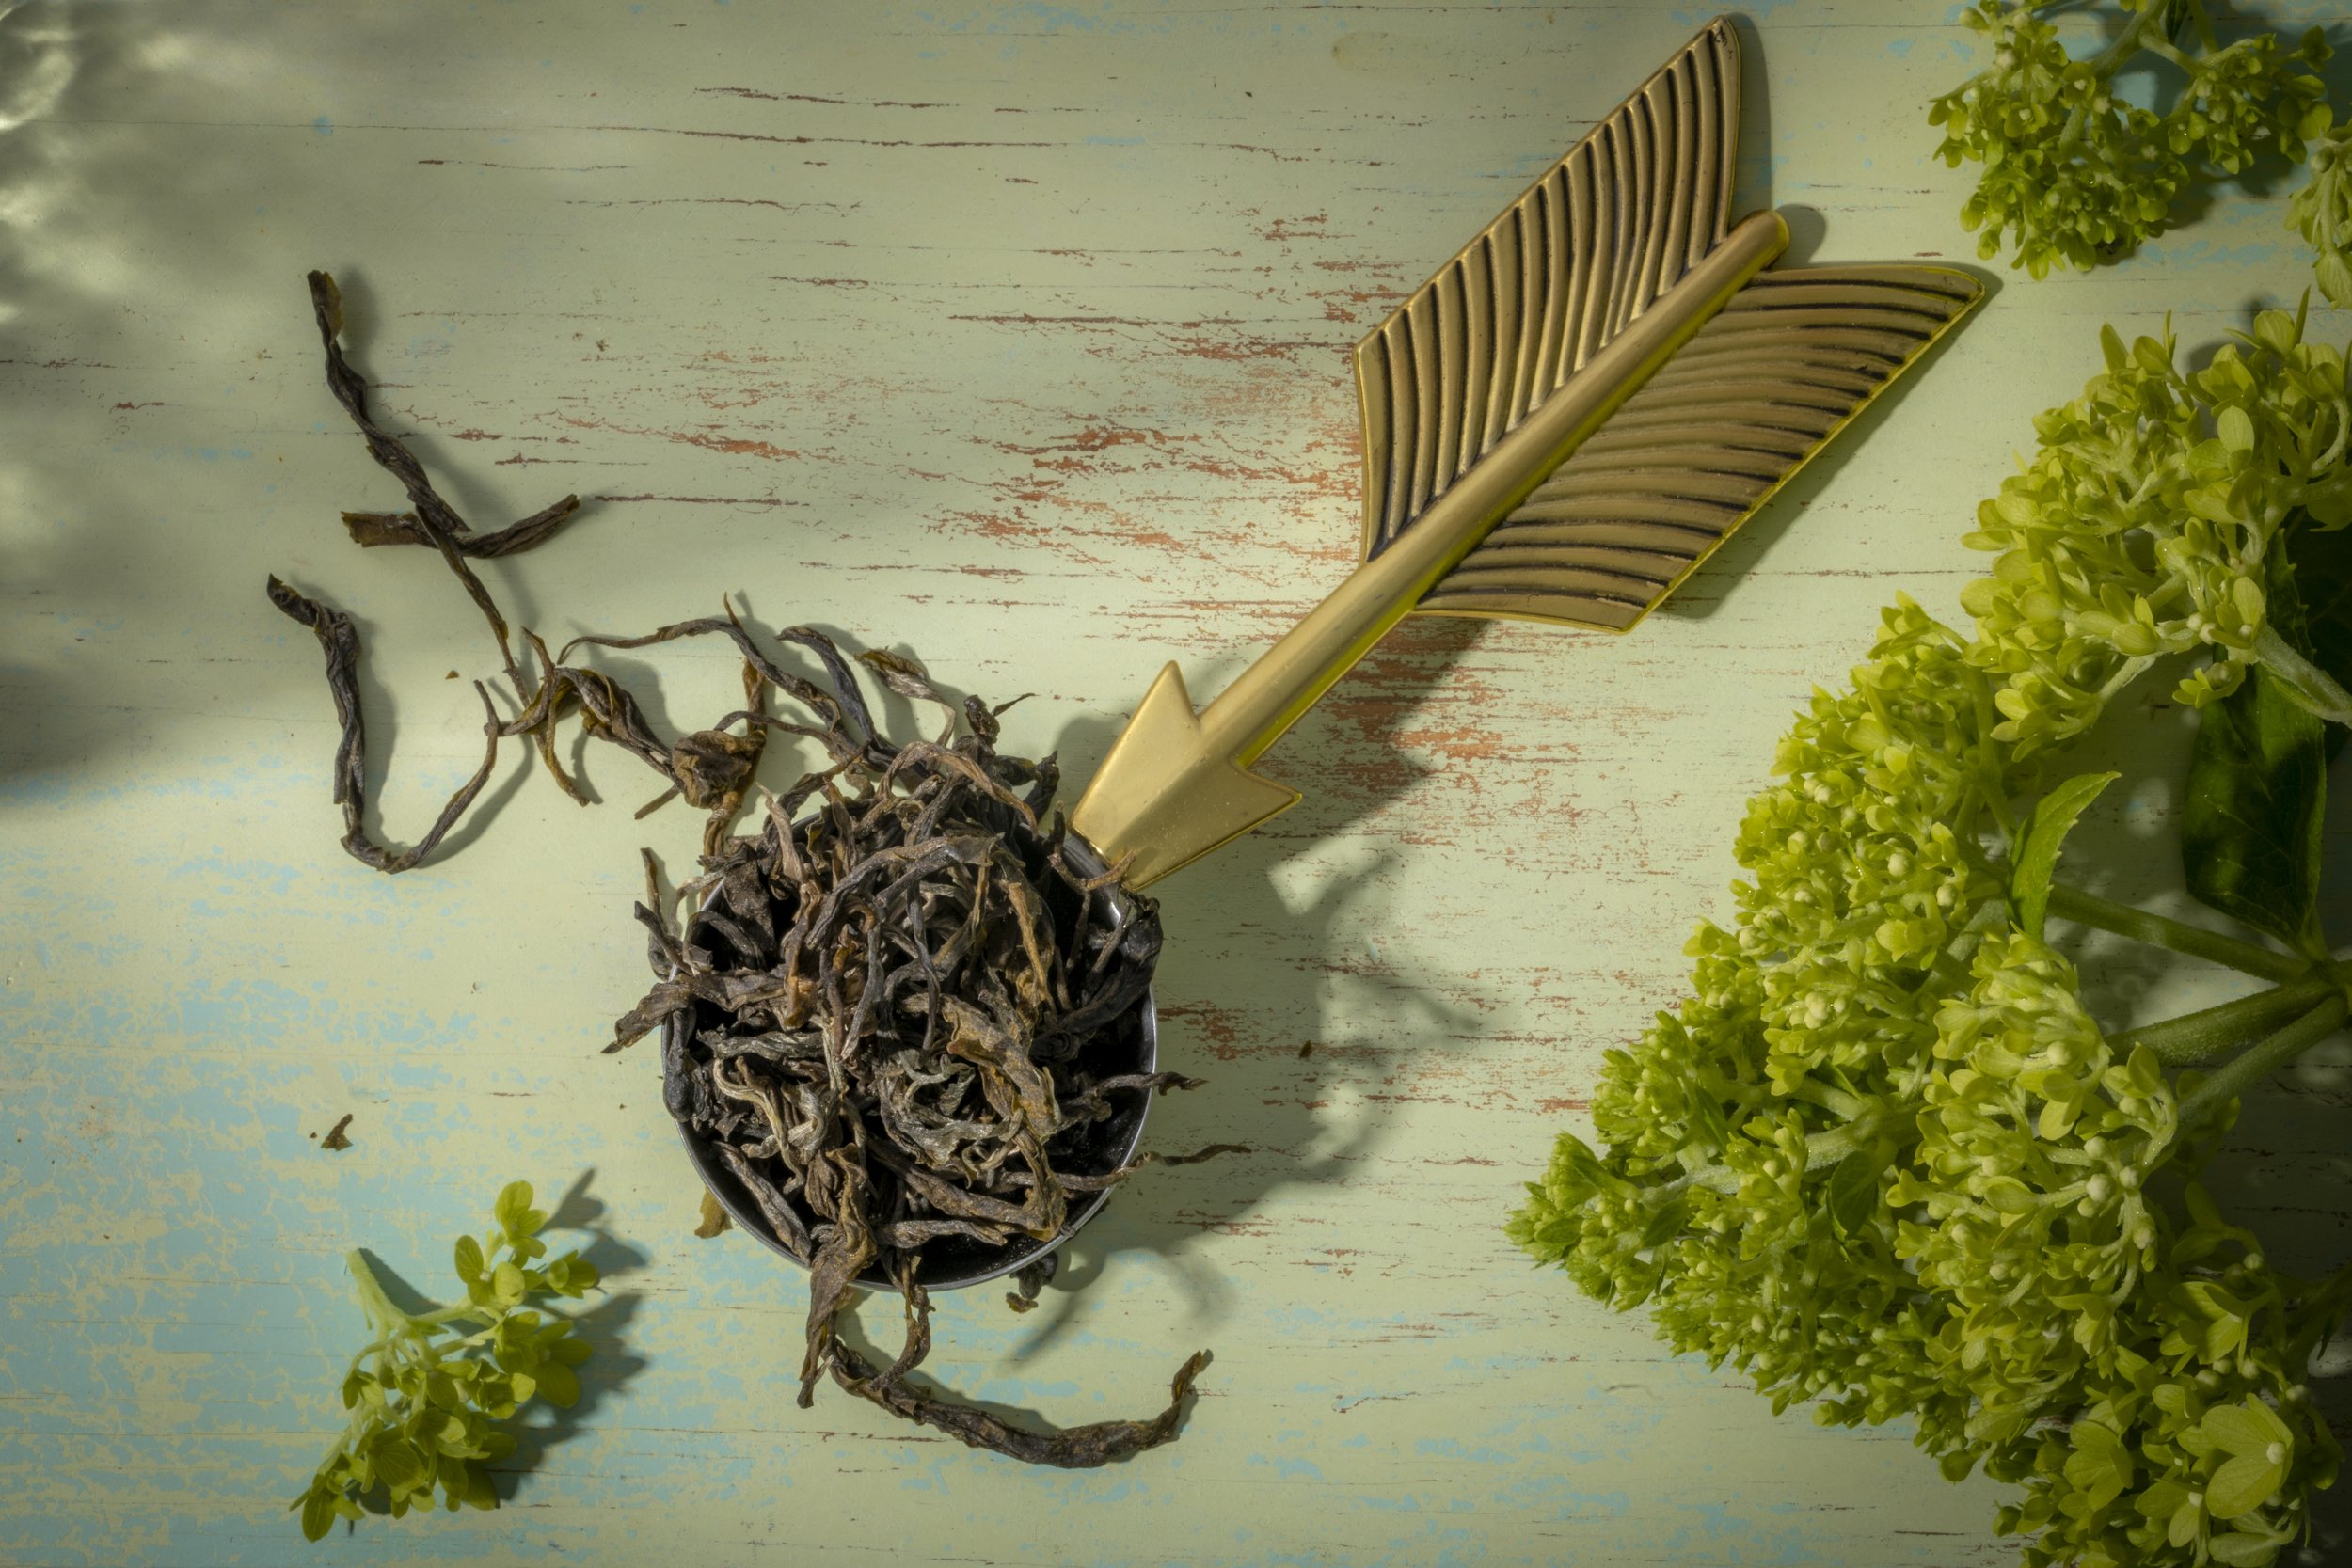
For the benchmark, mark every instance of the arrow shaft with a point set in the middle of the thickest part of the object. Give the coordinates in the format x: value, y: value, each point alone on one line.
x: 1270, y: 696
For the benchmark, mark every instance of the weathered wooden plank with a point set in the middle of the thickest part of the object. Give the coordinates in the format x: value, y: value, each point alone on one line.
x: 1014, y: 334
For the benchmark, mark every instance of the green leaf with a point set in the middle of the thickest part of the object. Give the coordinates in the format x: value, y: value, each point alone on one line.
x: 2237, y: 1550
x: 2204, y: 1213
x: 2318, y: 619
x: 506, y: 1284
x: 468, y: 1260
x: 400, y: 1467
x: 2257, y: 789
x: 2111, y: 345
x: 513, y: 1206
x: 2247, y: 1428
x: 2100, y: 1466
x: 1707, y: 1121
x: 2009, y: 1196
x: 2242, y: 1485
x: 558, y: 1385
x: 2256, y: 800
x: 2186, y: 1519
x: 2335, y: 282
x: 2224, y: 1338
x: 1853, y: 1195
x: 318, y: 1514
x: 2236, y: 429
x: 2038, y: 842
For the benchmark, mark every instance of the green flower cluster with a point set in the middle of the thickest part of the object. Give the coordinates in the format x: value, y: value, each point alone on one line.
x: 2073, y: 173
x: 1882, y: 1158
x: 426, y: 1394
x: 2140, y: 526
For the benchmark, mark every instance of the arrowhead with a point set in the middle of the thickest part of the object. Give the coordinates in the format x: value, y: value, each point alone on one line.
x: 1164, y: 797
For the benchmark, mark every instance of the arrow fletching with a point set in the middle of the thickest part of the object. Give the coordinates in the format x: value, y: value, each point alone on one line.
x: 1703, y: 443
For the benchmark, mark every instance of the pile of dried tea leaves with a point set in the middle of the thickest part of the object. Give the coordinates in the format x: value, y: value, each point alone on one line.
x: 901, y: 1013
x: 902, y: 1016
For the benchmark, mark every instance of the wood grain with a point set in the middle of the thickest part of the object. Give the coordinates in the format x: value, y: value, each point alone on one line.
x: 1013, y: 335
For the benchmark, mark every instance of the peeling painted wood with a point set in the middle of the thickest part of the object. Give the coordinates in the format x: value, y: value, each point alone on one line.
x: 1014, y: 335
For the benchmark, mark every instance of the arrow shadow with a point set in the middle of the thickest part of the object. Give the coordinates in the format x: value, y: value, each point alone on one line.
x: 1252, y: 998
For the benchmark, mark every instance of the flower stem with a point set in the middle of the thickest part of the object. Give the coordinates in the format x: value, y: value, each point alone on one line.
x: 373, y: 1301
x: 2129, y: 42
x: 2199, y: 1037
x: 2106, y: 63
x: 2140, y: 926
x: 379, y: 1308
x: 2241, y: 1071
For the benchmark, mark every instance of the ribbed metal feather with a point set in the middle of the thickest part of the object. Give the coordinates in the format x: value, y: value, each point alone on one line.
x: 1705, y: 442
x: 1590, y: 246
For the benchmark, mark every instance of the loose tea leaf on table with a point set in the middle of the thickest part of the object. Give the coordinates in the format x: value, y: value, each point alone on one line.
x: 896, y: 1012
x: 710, y: 768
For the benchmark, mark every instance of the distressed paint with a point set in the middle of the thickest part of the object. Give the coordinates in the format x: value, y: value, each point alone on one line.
x: 1014, y: 334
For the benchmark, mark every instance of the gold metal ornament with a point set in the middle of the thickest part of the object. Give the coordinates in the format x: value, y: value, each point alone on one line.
x: 1561, y: 425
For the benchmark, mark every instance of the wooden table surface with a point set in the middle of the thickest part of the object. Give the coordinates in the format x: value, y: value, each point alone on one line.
x: 1013, y: 334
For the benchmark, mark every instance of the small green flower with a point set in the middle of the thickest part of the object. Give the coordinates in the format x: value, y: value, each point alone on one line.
x: 425, y: 1393
x: 2074, y: 176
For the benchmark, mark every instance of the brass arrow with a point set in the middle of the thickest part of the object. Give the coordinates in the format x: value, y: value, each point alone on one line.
x: 1499, y: 480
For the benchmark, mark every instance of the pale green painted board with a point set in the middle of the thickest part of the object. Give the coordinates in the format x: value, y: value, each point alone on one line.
x: 1013, y: 335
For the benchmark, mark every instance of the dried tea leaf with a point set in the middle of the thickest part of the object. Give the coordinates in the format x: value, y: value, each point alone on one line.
x: 711, y: 767
x: 340, y: 639
x: 1072, y: 1448
x: 335, y: 1138
x: 1029, y: 1281
x: 374, y: 529
x: 714, y: 1218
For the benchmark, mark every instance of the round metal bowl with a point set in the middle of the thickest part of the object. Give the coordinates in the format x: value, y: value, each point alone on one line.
x: 1130, y: 1045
